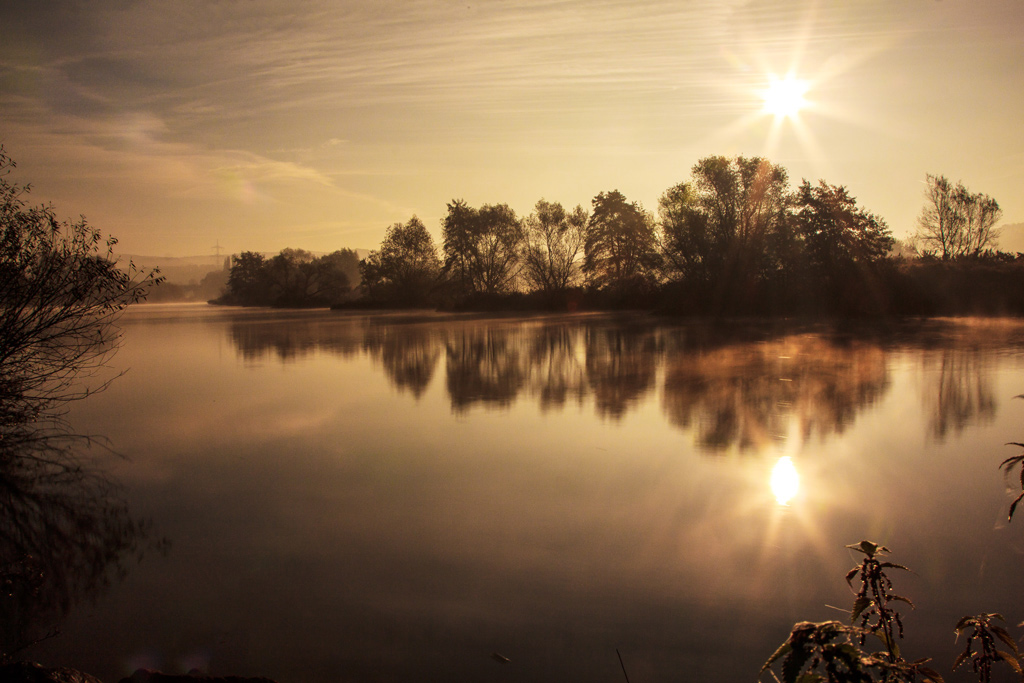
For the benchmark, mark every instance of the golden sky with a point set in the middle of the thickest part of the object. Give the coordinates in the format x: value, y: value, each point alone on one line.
x: 264, y: 124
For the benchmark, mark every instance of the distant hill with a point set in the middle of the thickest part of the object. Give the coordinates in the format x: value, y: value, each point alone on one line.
x: 180, y: 270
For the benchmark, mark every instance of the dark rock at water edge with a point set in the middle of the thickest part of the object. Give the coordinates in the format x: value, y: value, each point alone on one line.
x: 148, y: 676
x: 31, y: 672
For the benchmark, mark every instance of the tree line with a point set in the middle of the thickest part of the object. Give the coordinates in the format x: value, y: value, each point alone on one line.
x: 735, y: 238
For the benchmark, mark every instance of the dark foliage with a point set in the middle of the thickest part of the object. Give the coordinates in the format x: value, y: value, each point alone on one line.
x: 554, y: 241
x: 872, y: 605
x: 64, y: 532
x: 482, y: 248
x: 842, y: 248
x: 991, y: 283
x: 61, y: 291
x: 732, y: 240
x: 728, y: 242
x: 981, y: 649
x: 835, y: 653
x: 620, y: 250
x: 405, y: 271
x: 292, y: 278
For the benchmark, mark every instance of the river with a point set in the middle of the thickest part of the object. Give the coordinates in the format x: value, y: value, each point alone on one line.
x: 426, y: 497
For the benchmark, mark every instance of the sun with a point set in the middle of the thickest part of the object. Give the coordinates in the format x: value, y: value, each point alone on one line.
x: 784, y: 97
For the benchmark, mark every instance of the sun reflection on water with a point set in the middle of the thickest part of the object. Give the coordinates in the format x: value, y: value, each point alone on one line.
x: 785, y: 480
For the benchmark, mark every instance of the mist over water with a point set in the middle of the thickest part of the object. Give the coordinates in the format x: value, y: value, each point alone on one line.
x: 398, y: 496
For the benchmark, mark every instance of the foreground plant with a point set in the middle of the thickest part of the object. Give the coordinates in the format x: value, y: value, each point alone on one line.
x: 981, y: 648
x: 824, y: 651
x: 1007, y: 467
x: 833, y: 652
x: 872, y: 603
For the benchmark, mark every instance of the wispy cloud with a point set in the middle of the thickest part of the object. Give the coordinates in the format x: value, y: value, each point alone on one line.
x: 374, y: 102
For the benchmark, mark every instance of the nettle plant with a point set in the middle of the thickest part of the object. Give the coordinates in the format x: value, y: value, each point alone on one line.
x: 834, y: 652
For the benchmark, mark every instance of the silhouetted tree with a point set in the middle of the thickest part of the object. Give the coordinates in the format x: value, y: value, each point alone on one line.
x: 620, y: 251
x: 248, y: 280
x: 688, y: 247
x: 553, y: 246
x: 841, y: 243
x: 334, y: 275
x: 406, y: 268
x: 482, y: 247
x: 294, y: 277
x: 347, y: 261
x: 956, y: 222
x: 726, y: 231
x: 61, y: 293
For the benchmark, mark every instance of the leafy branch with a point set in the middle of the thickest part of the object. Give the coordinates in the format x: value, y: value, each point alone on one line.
x: 832, y: 652
x: 874, y: 597
x: 981, y: 647
x: 1007, y: 467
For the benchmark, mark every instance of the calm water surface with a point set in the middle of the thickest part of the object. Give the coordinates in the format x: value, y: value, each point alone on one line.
x: 396, y: 497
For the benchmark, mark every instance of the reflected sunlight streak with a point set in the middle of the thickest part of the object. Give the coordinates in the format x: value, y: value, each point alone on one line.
x: 785, y: 480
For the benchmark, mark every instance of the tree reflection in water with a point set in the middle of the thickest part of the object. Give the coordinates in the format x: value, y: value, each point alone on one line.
x: 621, y: 367
x: 958, y: 388
x: 556, y: 373
x: 752, y: 394
x: 408, y: 353
x: 65, y: 533
x: 743, y: 388
x: 485, y: 364
x: 290, y: 338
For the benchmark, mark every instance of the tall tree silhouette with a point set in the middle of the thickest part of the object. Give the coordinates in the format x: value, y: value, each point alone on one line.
x: 405, y: 269
x: 620, y: 252
x: 956, y: 222
x: 482, y: 247
x: 842, y: 243
x: 553, y: 247
x: 726, y: 231
x: 61, y: 293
